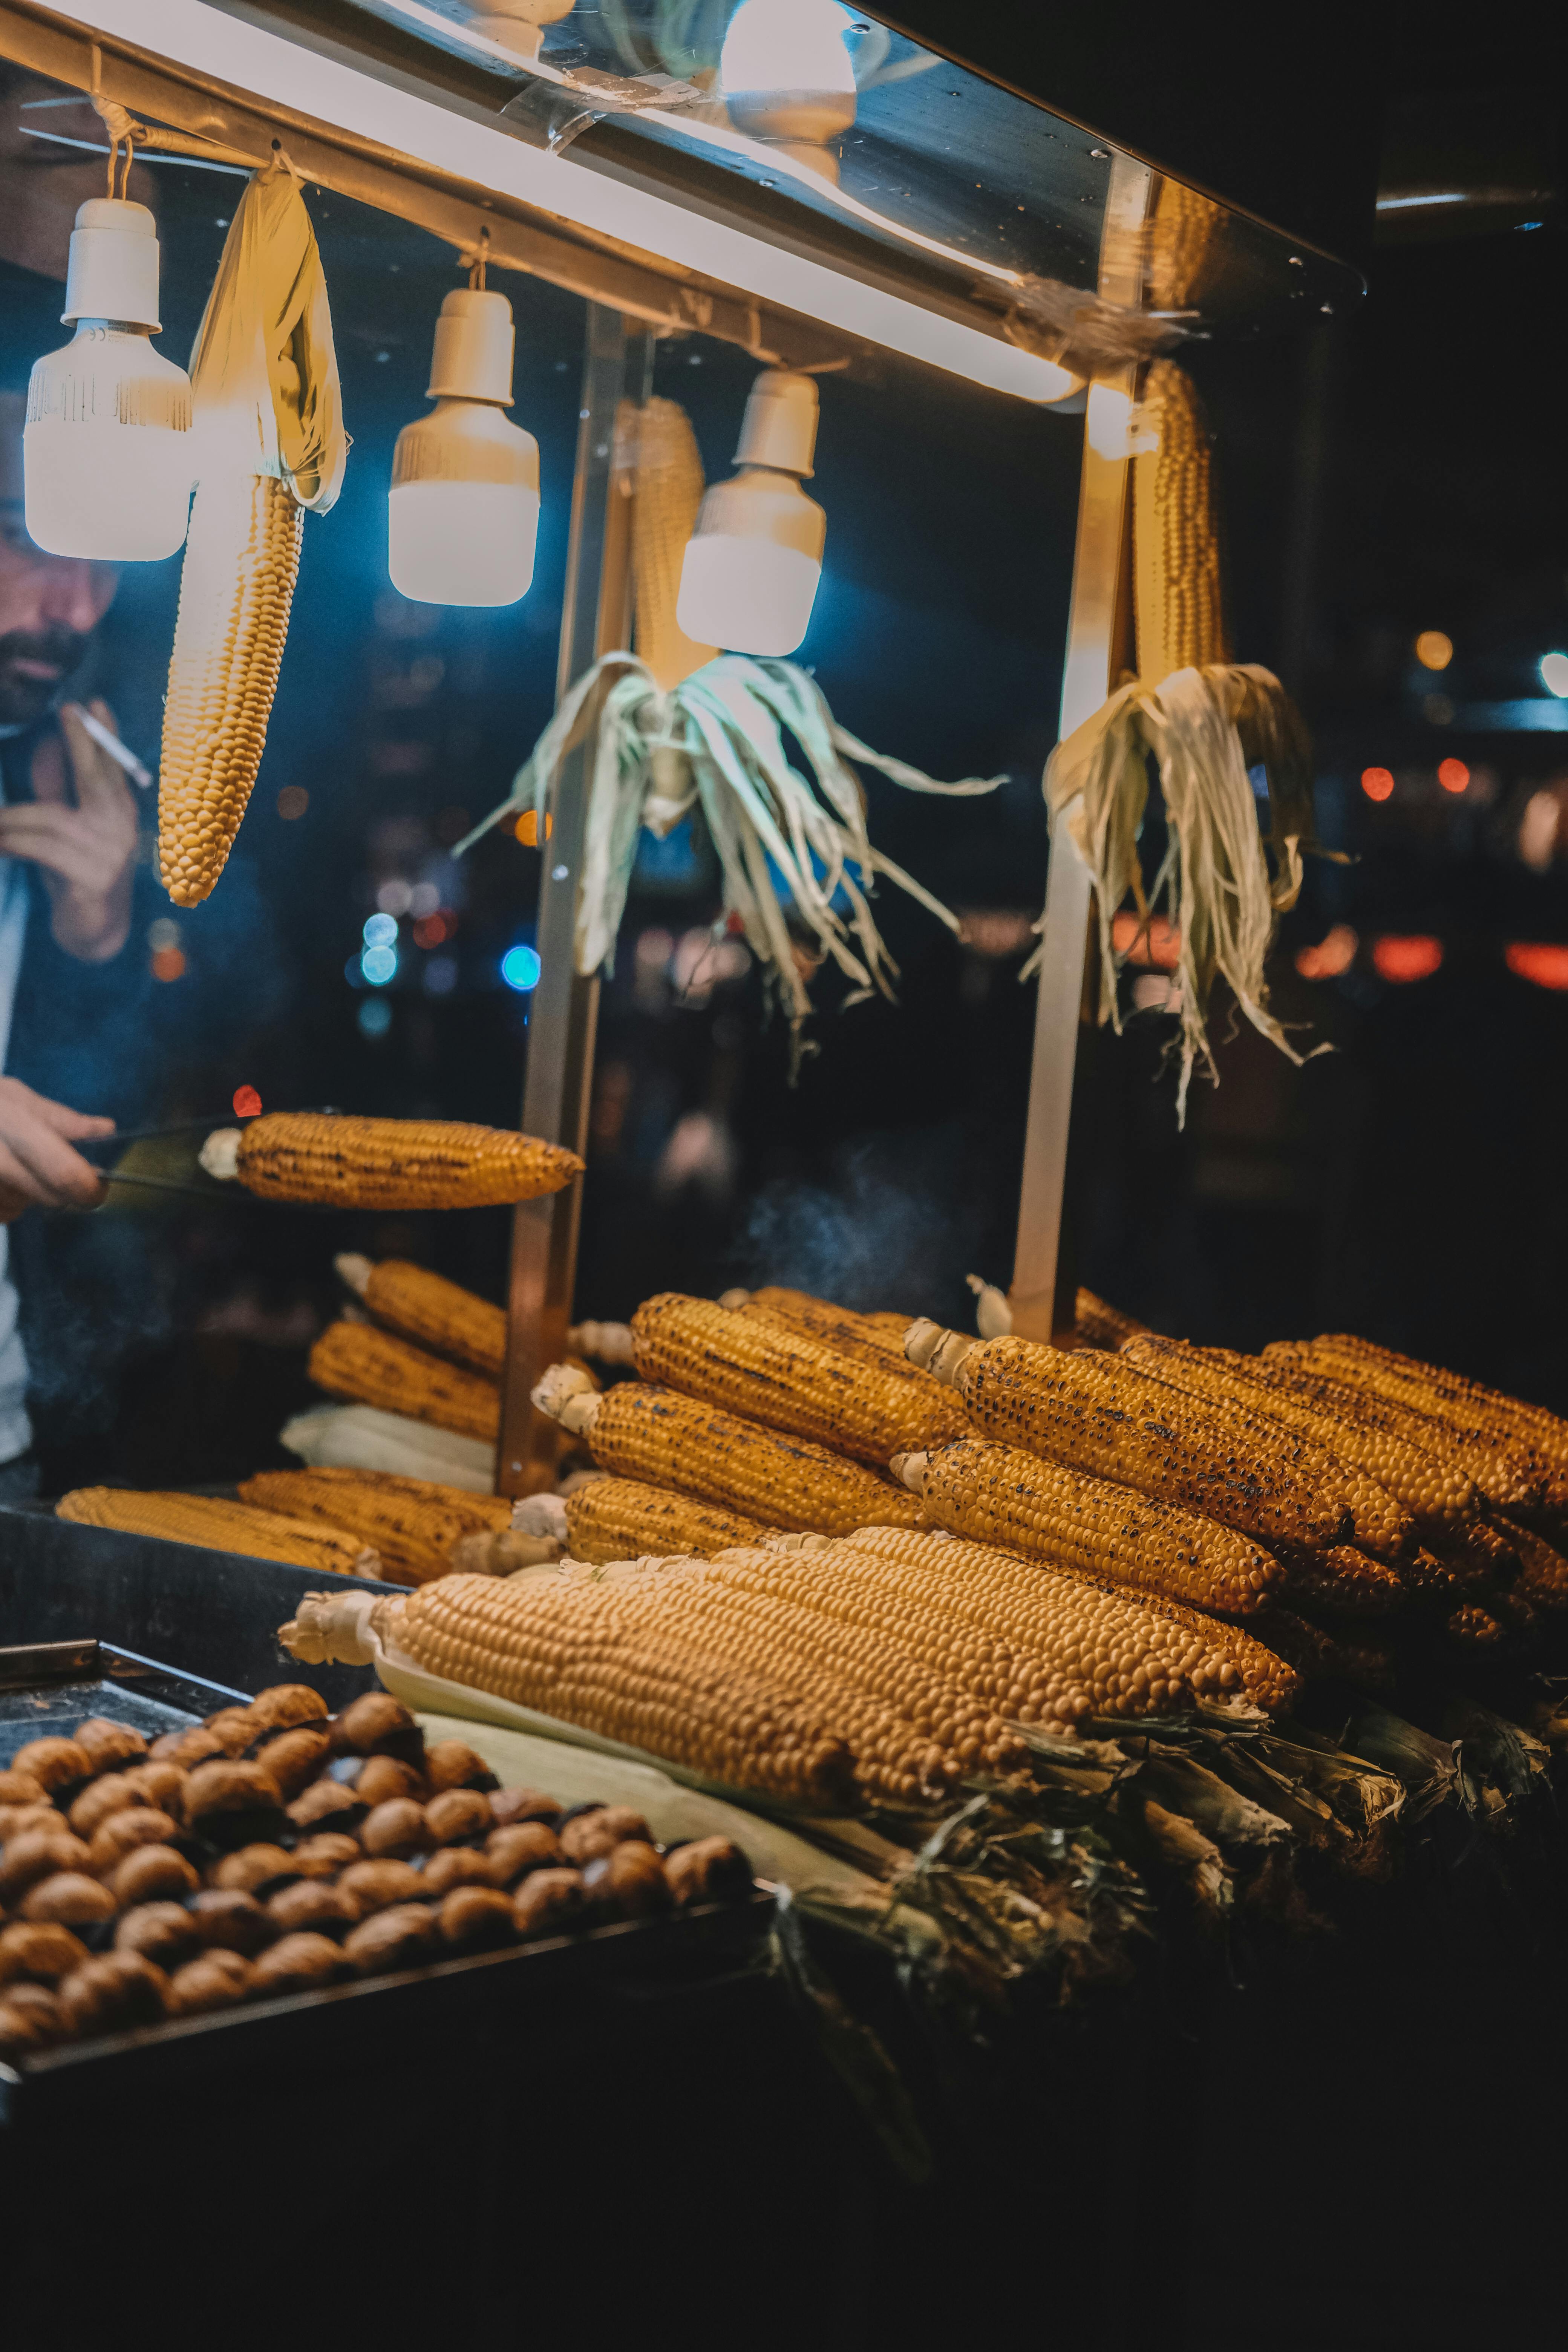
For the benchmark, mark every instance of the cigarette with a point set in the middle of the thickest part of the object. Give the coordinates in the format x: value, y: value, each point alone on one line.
x: 109, y: 741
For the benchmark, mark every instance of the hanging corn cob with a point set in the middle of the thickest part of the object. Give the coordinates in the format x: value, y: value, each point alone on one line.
x: 765, y: 1372
x: 342, y: 1162
x: 669, y: 484
x: 428, y: 1309
x: 621, y: 1518
x: 270, y: 442
x: 1178, y: 602
x: 218, y: 1526
x: 657, y: 1436
x: 371, y: 1367
x: 413, y: 1525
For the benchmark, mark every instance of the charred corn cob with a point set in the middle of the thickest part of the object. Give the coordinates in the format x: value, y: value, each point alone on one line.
x: 1436, y: 1491
x: 427, y: 1307
x: 1097, y: 1648
x: 371, y: 1367
x: 1461, y: 1406
x: 1344, y: 1582
x: 620, y: 1519
x: 870, y: 1339
x: 242, y: 557
x: 1099, y: 1326
x: 413, y: 1524
x: 1543, y: 1578
x: 1178, y: 605
x: 1097, y: 1413
x: 657, y: 1436
x: 1506, y: 1474
x: 1001, y: 1494
x: 619, y: 1661
x: 760, y: 1369
x: 1318, y: 1655
x: 219, y: 1526
x: 342, y: 1162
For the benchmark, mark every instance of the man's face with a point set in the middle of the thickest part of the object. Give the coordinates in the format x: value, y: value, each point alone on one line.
x: 49, y: 606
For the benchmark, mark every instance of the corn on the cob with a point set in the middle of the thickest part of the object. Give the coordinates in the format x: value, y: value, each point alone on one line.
x: 664, y: 1439
x: 871, y: 1339
x: 1344, y: 1582
x: 1101, y: 1325
x: 1000, y: 1495
x: 343, y: 1162
x: 413, y: 1524
x: 1543, y: 1578
x: 1178, y: 604
x: 1533, y: 1440
x: 1506, y: 1474
x: 215, y: 1525
x: 788, y: 1382
x: 620, y: 1519
x: 371, y: 1367
x: 426, y: 1306
x: 1098, y: 1414
x: 1435, y: 1492
x: 670, y: 486
x: 1318, y: 1655
x: 1101, y: 1649
x: 242, y: 557
x: 601, y: 1656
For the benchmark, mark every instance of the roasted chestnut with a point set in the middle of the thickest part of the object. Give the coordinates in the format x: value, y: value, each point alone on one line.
x: 218, y: 1979
x: 232, y: 1729
x: 287, y: 1703
x: 69, y: 1900
x: 233, y: 1803
x: 21, y: 1788
x: 589, y: 1834
x: 325, y: 1854
x: 382, y: 1778
x: 456, y: 1815
x: 314, y: 1904
x: 152, y: 1874
x: 109, y: 1745
x: 38, y: 1953
x: 16, y: 1819
x: 548, y: 1902
x: 453, y: 1764
x: 709, y: 1870
x: 456, y: 1865
x: 156, y: 1783
x: 57, y: 1764
x: 20, y: 2033
x: 258, y: 1870
x: 525, y: 1846
x: 302, y: 1963
x: 397, y: 1829
x: 117, y: 1991
x: 376, y: 1886
x: 187, y: 1749
x: 33, y: 1854
x: 378, y: 1725
x: 294, y: 1758
x: 627, y: 1883
x: 511, y: 1805
x: 327, y: 1804
x: 38, y: 2003
x: 164, y: 1933
x: 224, y: 1916
x: 110, y: 1793
x: 474, y: 1916
x: 123, y: 1831
x: 397, y: 1938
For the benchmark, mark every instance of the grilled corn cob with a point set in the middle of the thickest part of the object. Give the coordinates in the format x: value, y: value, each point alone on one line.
x: 617, y: 1660
x: 1543, y: 1578
x: 342, y: 1162
x: 427, y: 1307
x: 1463, y: 1407
x: 242, y: 557
x: 1344, y: 1582
x: 219, y: 1526
x: 1099, y: 1326
x: 874, y: 1338
x: 1098, y: 1648
x: 1000, y: 1495
x: 371, y: 1367
x: 1097, y: 1413
x: 1435, y: 1490
x: 788, y: 1382
x: 655, y: 1435
x: 620, y: 1519
x: 1178, y: 605
x: 413, y: 1524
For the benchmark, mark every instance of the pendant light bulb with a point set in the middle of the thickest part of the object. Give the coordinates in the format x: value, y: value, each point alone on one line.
x: 463, y: 514
x: 785, y: 75
x: 753, y: 563
x: 106, y: 448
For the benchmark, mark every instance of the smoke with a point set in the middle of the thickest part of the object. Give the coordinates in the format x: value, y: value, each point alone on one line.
x: 885, y: 1234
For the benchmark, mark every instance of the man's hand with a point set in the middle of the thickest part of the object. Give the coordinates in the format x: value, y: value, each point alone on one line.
x: 37, y: 1162
x: 80, y: 830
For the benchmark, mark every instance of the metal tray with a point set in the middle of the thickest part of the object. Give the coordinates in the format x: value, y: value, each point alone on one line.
x: 456, y: 2007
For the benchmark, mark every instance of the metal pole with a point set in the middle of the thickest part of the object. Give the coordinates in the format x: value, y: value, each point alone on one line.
x: 1097, y: 563
x: 563, y: 1013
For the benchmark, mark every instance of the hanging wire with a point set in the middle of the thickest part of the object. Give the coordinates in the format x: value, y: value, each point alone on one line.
x: 477, y: 260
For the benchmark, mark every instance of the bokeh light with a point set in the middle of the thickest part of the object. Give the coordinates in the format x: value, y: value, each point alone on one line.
x: 375, y: 1017
x: 1543, y: 961
x: 1453, y: 775
x: 1377, y: 784
x: 1408, y: 956
x: 1434, y: 650
x: 1554, y: 673
x: 379, y: 964
x: 520, y: 967
x: 168, y: 963
x: 526, y: 828
x: 292, y: 801
x: 1332, y: 955
x: 380, y: 931
x: 246, y: 1102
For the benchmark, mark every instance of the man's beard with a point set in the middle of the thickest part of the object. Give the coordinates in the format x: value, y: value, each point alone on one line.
x: 23, y: 699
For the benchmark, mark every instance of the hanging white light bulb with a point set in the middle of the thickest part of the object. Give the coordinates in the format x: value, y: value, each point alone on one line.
x: 463, y: 514
x: 786, y: 76
x: 106, y: 448
x: 753, y: 563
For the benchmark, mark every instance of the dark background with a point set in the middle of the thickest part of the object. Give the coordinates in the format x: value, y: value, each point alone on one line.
x: 1392, y: 471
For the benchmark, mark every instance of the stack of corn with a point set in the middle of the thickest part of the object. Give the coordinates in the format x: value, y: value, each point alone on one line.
x: 213, y: 1524
x: 414, y: 1526
x: 437, y: 1362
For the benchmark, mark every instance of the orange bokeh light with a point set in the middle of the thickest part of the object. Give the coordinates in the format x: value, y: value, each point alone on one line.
x: 1541, y: 960
x: 1413, y: 956
x: 431, y: 930
x: 168, y: 963
x: 1453, y: 775
x: 1377, y: 784
x: 1156, y: 942
x: 526, y: 828
x: 1332, y: 955
x: 246, y: 1102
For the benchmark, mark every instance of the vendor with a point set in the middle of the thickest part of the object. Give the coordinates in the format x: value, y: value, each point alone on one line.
x: 68, y: 857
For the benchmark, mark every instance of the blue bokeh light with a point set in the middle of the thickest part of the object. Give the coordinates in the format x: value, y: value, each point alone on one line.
x: 379, y: 964
x: 380, y: 931
x: 375, y: 1017
x: 520, y: 967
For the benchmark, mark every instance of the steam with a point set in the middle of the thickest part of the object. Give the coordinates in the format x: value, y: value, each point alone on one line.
x: 873, y: 1239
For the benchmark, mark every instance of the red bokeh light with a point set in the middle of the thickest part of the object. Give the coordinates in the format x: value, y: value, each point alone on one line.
x: 168, y: 963
x: 1415, y: 956
x: 1541, y: 960
x: 246, y: 1102
x: 1377, y: 784
x: 431, y: 930
x: 1332, y: 955
x: 1453, y: 775
x: 1156, y: 942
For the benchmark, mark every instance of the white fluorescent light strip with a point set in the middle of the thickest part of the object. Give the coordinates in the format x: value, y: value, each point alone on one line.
x: 1408, y: 204
x: 271, y: 69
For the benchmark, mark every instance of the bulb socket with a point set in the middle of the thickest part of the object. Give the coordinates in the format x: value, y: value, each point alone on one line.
x: 113, y: 267
x: 475, y: 340
x: 779, y: 428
